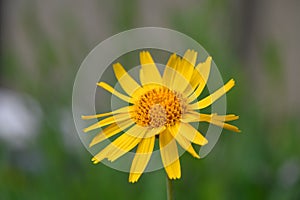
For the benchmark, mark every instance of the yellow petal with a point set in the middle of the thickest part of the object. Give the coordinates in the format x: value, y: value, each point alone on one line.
x: 107, y: 121
x: 124, y: 144
x: 141, y: 158
x: 193, y: 116
x: 190, y: 133
x: 115, y: 92
x: 226, y: 118
x: 200, y: 78
x: 185, y: 69
x: 207, y: 101
x: 169, y: 72
x: 118, y: 111
x: 110, y: 131
x: 184, y: 143
x: 190, y: 56
x: 195, y: 80
x: 149, y: 72
x: 225, y: 125
x: 154, y: 131
x: 126, y: 81
x: 102, y: 154
x: 169, y: 154
x: 117, y: 148
x: 136, y: 130
x: 215, y: 119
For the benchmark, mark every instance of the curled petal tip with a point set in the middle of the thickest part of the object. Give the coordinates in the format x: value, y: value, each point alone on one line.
x: 85, y: 130
x: 132, y: 180
x: 84, y: 117
x: 205, y: 142
x: 91, y: 144
x: 94, y: 160
x: 197, y: 156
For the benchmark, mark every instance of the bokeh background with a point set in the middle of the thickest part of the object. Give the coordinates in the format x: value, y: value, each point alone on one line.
x: 43, y: 44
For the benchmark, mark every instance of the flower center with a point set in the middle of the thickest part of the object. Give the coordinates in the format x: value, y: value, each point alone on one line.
x: 159, y: 107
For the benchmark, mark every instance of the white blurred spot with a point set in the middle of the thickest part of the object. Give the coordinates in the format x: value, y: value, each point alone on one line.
x: 289, y: 173
x: 20, y: 117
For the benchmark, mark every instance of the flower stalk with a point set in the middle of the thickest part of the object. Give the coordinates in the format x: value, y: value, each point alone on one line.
x: 169, y: 189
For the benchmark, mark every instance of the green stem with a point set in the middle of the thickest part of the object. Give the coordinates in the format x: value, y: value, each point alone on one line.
x: 169, y: 189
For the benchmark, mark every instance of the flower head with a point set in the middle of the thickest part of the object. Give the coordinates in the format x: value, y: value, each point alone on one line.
x: 160, y: 107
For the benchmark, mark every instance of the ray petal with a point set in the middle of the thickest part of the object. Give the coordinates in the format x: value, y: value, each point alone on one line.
x: 184, y: 143
x: 118, y: 147
x: 207, y: 101
x: 226, y: 118
x: 126, y: 81
x: 200, y: 78
x: 107, y: 121
x: 118, y: 111
x: 141, y: 158
x: 169, y: 72
x: 149, y: 72
x: 225, y: 125
x: 110, y: 131
x: 195, y: 80
x: 136, y: 130
x: 192, y: 134
x: 214, y: 119
x: 169, y: 154
x: 185, y: 69
x: 154, y: 131
x: 115, y: 92
x: 193, y: 116
x: 122, y: 145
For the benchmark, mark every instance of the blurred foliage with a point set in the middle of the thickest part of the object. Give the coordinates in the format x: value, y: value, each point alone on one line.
x: 241, y: 166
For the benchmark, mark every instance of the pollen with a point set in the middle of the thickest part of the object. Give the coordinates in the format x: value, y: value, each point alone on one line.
x: 159, y: 107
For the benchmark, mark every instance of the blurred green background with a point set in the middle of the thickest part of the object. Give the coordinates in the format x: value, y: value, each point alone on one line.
x: 43, y: 44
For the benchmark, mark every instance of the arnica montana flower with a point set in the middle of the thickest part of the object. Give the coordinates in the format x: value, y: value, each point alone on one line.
x: 160, y: 107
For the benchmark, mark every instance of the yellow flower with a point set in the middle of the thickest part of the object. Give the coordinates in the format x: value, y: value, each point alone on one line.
x: 160, y: 107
